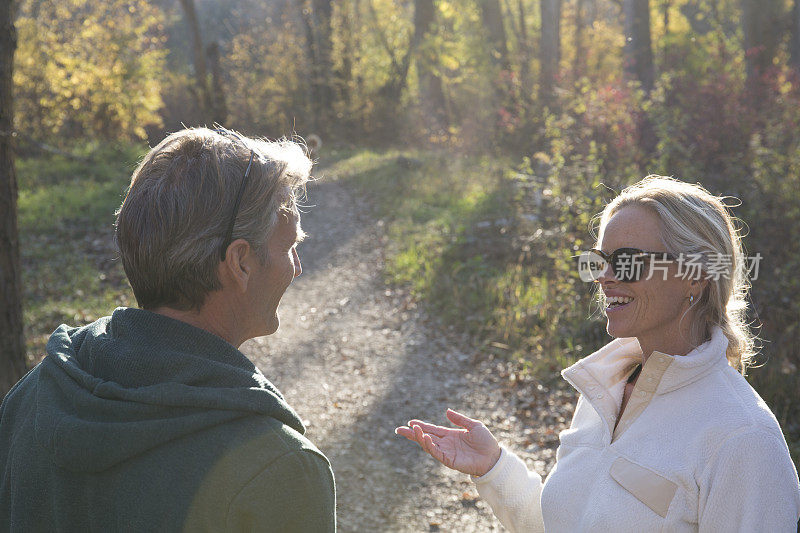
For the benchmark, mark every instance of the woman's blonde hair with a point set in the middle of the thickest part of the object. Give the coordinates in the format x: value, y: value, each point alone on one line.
x: 699, y: 225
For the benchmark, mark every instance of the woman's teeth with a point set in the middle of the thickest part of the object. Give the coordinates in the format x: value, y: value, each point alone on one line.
x: 614, y: 301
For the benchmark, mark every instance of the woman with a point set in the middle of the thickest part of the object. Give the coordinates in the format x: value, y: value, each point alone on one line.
x: 667, y: 435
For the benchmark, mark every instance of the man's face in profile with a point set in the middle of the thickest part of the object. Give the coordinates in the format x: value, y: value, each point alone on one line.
x: 283, y: 265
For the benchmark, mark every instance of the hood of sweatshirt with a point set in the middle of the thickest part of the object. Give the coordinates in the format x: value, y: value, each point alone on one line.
x: 130, y: 382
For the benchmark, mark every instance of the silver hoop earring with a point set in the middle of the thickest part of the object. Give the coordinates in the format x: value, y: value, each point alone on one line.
x: 691, y: 299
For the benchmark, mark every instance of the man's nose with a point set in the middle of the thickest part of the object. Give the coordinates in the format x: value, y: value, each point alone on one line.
x: 298, y: 268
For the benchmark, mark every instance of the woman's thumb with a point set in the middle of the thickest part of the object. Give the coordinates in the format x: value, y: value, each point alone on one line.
x: 461, y: 420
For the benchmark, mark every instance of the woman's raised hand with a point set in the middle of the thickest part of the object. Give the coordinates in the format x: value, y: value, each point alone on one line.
x: 471, y: 448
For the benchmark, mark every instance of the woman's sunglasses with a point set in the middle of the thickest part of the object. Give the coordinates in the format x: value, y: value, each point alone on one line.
x: 628, y: 264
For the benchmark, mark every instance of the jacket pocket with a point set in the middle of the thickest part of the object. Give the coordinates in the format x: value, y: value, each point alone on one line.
x: 650, y: 488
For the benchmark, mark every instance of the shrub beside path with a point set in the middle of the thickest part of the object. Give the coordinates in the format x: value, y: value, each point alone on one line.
x: 356, y: 358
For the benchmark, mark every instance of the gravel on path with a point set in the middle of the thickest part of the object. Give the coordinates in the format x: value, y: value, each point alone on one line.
x: 356, y: 358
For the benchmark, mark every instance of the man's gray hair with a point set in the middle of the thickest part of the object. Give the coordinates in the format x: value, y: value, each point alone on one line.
x: 171, y: 226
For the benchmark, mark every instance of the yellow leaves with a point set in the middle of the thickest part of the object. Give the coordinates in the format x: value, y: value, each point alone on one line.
x: 447, y: 9
x: 95, y: 66
x: 450, y: 62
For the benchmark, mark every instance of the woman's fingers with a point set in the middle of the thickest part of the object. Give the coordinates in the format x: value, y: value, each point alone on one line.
x: 426, y: 441
x: 433, y: 449
x: 439, y: 431
x: 461, y: 420
x: 410, y: 432
x: 419, y: 436
x: 406, y: 432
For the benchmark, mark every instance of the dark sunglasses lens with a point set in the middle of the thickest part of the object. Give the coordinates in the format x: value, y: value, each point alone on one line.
x: 591, y: 266
x: 628, y: 264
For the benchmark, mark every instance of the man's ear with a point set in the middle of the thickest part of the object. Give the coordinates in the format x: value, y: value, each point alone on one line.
x: 237, y: 266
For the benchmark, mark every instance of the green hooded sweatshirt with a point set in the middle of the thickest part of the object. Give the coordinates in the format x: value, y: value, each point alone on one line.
x: 139, y: 422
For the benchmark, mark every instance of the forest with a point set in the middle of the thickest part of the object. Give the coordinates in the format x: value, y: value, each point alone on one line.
x: 486, y: 133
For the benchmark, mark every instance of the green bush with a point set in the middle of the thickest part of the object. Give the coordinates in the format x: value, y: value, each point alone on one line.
x: 66, y: 214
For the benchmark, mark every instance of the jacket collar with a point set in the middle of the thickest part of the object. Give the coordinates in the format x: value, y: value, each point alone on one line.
x: 607, y: 368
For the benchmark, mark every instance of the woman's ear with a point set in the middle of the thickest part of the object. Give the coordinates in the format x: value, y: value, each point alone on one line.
x: 237, y: 267
x: 698, y: 286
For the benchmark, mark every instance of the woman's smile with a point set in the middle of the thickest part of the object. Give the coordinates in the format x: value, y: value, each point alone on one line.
x: 617, y: 303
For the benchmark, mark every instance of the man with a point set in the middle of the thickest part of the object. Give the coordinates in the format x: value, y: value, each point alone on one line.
x: 152, y: 419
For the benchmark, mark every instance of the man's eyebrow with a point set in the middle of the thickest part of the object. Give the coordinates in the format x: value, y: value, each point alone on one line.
x: 294, y: 214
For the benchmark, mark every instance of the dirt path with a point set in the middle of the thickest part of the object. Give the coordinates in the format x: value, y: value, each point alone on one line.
x: 356, y: 359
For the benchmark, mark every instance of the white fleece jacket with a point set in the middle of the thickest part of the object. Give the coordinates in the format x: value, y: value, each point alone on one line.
x: 696, y: 450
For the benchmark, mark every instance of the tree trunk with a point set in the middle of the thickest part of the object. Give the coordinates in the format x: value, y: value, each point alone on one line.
x: 219, y: 109
x: 398, y: 78
x: 358, y: 80
x: 492, y: 16
x: 639, y: 62
x: 504, y: 92
x: 322, y: 10
x: 762, y: 28
x: 12, y: 340
x: 794, y: 45
x: 347, y: 34
x: 203, y: 94
x: 638, y: 48
x: 311, y: 88
x: 665, y: 5
x: 579, y: 65
x: 432, y: 100
x: 525, y: 56
x: 591, y: 12
x: 550, y: 52
x: 316, y: 19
